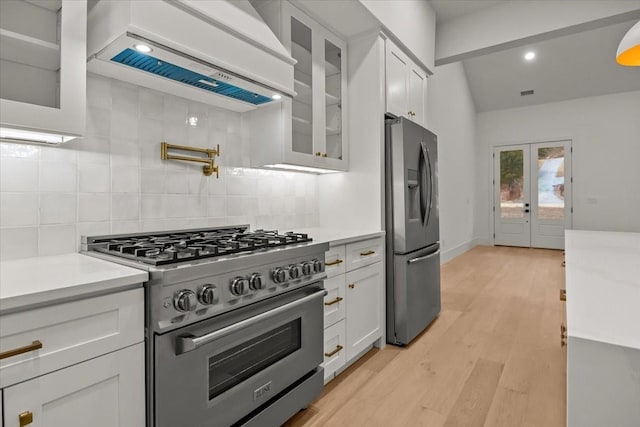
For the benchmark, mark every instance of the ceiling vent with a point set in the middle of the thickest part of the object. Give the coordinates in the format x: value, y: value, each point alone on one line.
x: 526, y: 92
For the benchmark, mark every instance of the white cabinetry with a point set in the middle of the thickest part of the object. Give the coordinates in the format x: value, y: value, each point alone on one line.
x: 43, y: 69
x: 354, y: 302
x: 313, y: 132
x: 406, y: 85
x: 85, y: 364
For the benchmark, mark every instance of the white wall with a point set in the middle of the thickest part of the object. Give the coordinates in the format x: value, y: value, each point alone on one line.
x: 452, y: 116
x: 113, y: 181
x: 606, y: 156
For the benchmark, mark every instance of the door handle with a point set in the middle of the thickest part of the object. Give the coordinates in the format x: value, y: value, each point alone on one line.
x: 335, y: 301
x: 36, y: 345
x: 422, y: 258
x: 335, y: 351
x: 336, y: 262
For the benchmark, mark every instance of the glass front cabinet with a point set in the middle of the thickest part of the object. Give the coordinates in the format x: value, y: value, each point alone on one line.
x: 316, y: 135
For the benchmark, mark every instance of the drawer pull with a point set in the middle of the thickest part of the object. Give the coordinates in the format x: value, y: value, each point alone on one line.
x: 336, y: 262
x: 352, y: 285
x: 331, y: 353
x: 367, y: 253
x: 335, y: 301
x: 25, y: 418
x: 563, y: 294
x: 36, y: 345
x: 563, y: 335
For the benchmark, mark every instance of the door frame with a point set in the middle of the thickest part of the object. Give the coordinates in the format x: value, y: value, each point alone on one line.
x: 492, y: 201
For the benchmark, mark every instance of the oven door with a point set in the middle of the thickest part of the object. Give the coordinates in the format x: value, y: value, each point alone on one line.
x: 215, y: 372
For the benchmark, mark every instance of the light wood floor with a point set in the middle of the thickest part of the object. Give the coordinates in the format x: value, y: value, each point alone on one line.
x: 492, y: 357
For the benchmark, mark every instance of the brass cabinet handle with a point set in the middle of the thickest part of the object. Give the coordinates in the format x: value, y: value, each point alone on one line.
x: 25, y: 418
x: 352, y: 285
x: 563, y: 335
x: 318, y: 153
x: 367, y: 253
x: 331, y: 353
x: 563, y: 294
x: 36, y: 345
x: 336, y: 262
x: 335, y: 301
x: 324, y: 155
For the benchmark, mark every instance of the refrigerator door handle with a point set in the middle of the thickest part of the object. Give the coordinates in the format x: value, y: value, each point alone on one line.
x: 423, y: 258
x: 424, y: 176
x: 424, y: 147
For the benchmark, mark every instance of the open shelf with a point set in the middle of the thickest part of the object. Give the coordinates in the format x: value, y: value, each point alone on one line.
x: 27, y: 50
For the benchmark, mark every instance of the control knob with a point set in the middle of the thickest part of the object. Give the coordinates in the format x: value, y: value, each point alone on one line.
x: 185, y: 300
x: 318, y: 266
x: 307, y: 268
x: 256, y: 282
x: 238, y: 286
x: 279, y: 275
x: 208, y: 295
x: 295, y: 271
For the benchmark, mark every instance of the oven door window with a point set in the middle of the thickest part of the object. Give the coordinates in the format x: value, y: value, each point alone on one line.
x: 235, y: 365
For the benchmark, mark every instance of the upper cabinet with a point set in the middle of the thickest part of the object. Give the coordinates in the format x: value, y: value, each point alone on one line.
x: 312, y: 134
x: 406, y: 85
x: 42, y: 69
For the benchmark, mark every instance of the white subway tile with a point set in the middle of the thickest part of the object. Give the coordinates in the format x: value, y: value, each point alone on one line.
x: 18, y: 174
x: 152, y: 180
x: 98, y: 91
x: 124, y: 125
x: 91, y: 229
x: 98, y: 121
x: 125, y: 179
x: 176, y: 183
x: 125, y: 153
x: 151, y: 104
x: 57, y: 208
x: 152, y: 206
x: 241, y: 185
x: 61, y: 154
x: 57, y: 239
x: 56, y: 176
x: 124, y: 227
x: 18, y: 209
x: 94, y: 207
x: 176, y: 206
x: 94, y: 178
x: 22, y: 151
x: 20, y: 242
x: 124, y: 98
x: 217, y: 207
x: 94, y: 149
x: 125, y: 207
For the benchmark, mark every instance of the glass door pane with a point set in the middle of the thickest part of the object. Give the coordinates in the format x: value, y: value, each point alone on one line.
x: 550, y: 183
x: 512, y: 184
x: 302, y: 111
x: 333, y: 99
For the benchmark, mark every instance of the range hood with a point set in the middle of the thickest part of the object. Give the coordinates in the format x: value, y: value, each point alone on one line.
x: 214, y: 51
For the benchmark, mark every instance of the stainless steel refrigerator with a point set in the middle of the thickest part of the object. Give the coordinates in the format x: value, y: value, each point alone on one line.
x: 413, y: 229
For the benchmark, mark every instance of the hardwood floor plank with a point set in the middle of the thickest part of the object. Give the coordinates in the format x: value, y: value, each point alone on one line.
x: 472, y: 406
x: 507, y: 408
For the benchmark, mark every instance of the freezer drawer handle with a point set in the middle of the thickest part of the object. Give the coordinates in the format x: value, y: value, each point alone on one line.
x: 336, y: 262
x: 188, y: 342
x: 367, y: 253
x: 422, y: 258
x: 335, y: 301
x: 337, y: 350
x: 36, y: 345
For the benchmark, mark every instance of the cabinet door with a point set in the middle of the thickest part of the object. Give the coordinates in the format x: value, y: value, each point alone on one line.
x: 364, y: 320
x: 43, y: 66
x: 417, y: 85
x: 397, y: 64
x: 103, y: 392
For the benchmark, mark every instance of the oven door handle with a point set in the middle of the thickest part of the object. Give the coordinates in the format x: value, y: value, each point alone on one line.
x: 189, y: 342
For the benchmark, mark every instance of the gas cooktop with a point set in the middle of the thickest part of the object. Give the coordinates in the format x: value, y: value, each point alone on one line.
x: 188, y: 245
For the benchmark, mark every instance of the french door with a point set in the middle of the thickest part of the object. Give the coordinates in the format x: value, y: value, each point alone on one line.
x: 532, y: 194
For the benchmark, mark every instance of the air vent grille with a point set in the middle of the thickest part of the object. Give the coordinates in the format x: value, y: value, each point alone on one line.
x: 526, y: 92
x: 167, y: 70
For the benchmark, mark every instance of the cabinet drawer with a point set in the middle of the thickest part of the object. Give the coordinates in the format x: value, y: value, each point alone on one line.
x: 364, y: 253
x: 335, y: 261
x: 364, y: 308
x: 334, y: 303
x: 102, y: 392
x: 334, y: 349
x: 69, y: 333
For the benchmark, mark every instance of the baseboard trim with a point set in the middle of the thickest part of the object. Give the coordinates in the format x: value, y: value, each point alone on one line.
x: 456, y: 251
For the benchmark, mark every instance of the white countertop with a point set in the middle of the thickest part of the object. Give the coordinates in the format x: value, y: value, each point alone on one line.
x: 43, y: 280
x: 603, y: 286
x: 337, y: 236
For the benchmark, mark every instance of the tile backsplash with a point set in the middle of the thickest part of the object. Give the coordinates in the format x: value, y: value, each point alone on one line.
x: 113, y: 181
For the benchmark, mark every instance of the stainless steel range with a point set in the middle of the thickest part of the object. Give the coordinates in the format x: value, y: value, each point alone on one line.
x: 234, y: 322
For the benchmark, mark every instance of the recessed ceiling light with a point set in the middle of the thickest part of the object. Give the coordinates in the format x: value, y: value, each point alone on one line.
x: 529, y: 56
x: 142, y: 48
x: 276, y: 96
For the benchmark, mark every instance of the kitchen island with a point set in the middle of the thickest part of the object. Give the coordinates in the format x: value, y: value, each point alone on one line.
x: 603, y: 328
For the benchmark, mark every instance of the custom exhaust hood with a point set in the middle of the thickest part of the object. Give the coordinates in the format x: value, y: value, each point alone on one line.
x: 218, y: 52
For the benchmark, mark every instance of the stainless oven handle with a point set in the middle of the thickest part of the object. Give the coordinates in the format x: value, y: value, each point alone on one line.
x: 422, y: 258
x: 188, y: 342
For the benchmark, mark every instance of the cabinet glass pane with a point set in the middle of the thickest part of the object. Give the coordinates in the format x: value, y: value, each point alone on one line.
x: 333, y: 99
x: 551, y: 183
x: 302, y: 111
x: 511, y: 184
x: 30, y: 51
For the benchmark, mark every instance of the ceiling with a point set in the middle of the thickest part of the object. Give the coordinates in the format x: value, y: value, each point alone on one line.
x: 568, y: 67
x: 450, y: 9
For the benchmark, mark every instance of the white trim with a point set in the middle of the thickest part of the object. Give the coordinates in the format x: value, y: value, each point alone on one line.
x: 449, y: 254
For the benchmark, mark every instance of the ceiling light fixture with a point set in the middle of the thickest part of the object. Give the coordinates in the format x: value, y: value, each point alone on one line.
x: 629, y: 48
x: 529, y: 56
x: 142, y: 48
